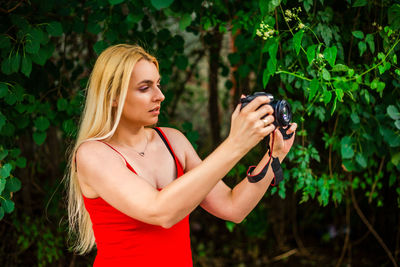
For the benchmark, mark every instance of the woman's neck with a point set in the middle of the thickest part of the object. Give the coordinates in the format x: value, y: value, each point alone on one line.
x: 129, y: 137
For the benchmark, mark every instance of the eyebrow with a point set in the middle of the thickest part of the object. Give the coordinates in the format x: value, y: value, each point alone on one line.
x: 148, y: 81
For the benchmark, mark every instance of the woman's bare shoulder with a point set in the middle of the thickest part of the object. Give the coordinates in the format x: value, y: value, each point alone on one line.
x: 93, y: 154
x: 176, y: 138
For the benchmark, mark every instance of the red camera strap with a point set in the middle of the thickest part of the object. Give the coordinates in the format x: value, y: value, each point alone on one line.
x: 276, y: 167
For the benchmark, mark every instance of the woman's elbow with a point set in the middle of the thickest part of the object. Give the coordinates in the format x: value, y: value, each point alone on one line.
x: 167, y: 225
x: 238, y: 220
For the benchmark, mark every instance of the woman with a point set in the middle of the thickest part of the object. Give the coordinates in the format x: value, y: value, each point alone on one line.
x: 131, y: 188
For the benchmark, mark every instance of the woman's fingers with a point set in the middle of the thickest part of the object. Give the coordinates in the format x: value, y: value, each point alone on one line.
x: 255, y: 104
x: 264, y: 110
x: 292, y: 128
x: 236, y: 111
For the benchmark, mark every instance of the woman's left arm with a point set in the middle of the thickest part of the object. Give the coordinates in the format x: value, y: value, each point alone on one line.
x: 235, y: 204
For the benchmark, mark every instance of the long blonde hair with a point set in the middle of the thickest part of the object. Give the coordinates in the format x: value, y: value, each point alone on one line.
x: 109, y: 81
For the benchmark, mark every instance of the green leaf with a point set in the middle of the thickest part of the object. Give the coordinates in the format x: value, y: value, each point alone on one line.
x: 374, y: 84
x: 359, y: 3
x: 100, y: 46
x: 182, y: 62
x: 21, y: 162
x: 346, y: 149
x: 32, y: 45
x: 132, y: 19
x: 397, y: 124
x: 6, y: 66
x: 396, y: 159
x: 369, y: 39
x: 354, y: 117
x: 62, y: 104
x: 15, y: 61
x: 393, y: 112
x: 1, y: 213
x: 234, y: 58
x: 266, y: 77
x: 43, y: 55
x: 313, y: 88
x: 26, y: 67
x: 69, y: 126
x: 2, y: 184
x: 42, y: 123
x: 243, y: 70
x: 159, y: 4
x: 185, y: 21
x: 311, y: 53
x: 2, y: 120
x: 39, y: 137
x: 5, y: 170
x: 358, y: 34
x: 327, y: 96
x: 325, y: 74
x: 115, y: 2
x: 362, y: 46
x: 339, y: 94
x: 361, y: 160
x: 5, y: 42
x: 381, y: 69
x: 54, y: 28
x: 340, y: 67
x: 230, y: 226
x: 297, y: 41
x: 330, y: 55
x: 350, y: 72
x: 390, y: 136
x: 273, y: 48
x: 271, y: 65
x: 7, y: 205
x: 387, y: 65
x: 13, y: 184
x: 394, y: 16
x: 381, y: 86
x: 3, y: 90
x: 3, y: 154
x: 11, y: 98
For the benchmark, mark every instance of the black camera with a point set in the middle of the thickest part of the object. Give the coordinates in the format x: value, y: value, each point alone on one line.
x: 282, y: 111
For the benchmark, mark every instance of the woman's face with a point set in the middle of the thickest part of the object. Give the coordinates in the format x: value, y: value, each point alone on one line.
x: 144, y: 97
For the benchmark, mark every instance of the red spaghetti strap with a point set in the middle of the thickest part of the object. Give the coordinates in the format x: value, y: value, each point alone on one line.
x: 126, y: 162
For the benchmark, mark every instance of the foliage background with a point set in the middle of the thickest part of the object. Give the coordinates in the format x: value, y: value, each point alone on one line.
x: 334, y: 61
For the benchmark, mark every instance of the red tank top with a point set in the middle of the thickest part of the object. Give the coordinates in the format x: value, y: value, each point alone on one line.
x: 124, y: 241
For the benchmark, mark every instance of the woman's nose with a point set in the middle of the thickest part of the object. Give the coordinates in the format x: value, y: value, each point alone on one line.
x: 159, y: 96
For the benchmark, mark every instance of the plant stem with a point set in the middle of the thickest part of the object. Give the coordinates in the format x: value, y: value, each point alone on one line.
x: 293, y: 74
x: 369, y: 226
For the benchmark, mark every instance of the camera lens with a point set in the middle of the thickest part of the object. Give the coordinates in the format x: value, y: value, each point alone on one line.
x: 283, y: 113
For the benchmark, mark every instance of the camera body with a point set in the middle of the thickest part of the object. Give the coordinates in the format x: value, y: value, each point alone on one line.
x: 282, y: 110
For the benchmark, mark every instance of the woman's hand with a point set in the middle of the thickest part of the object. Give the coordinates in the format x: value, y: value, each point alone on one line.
x: 247, y: 128
x: 281, y: 146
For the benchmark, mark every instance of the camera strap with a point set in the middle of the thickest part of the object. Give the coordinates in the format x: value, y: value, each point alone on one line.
x: 276, y: 167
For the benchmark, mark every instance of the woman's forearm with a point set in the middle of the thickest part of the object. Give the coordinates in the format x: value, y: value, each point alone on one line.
x: 246, y: 195
x: 183, y: 195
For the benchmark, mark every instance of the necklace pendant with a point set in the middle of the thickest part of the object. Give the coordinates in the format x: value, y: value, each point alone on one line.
x: 141, y: 154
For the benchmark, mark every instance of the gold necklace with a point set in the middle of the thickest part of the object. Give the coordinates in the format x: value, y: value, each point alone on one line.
x: 144, y: 149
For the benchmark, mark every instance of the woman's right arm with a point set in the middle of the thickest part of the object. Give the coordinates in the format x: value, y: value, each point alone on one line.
x: 105, y: 173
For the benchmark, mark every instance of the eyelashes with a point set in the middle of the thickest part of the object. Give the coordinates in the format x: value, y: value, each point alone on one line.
x: 145, y: 88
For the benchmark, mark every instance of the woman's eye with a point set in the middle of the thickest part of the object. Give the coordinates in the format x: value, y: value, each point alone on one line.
x: 144, y: 88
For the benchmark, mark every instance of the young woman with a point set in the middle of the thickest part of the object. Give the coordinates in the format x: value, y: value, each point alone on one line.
x: 132, y: 187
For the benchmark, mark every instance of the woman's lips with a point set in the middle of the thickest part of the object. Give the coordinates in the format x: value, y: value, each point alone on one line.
x: 155, y: 111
